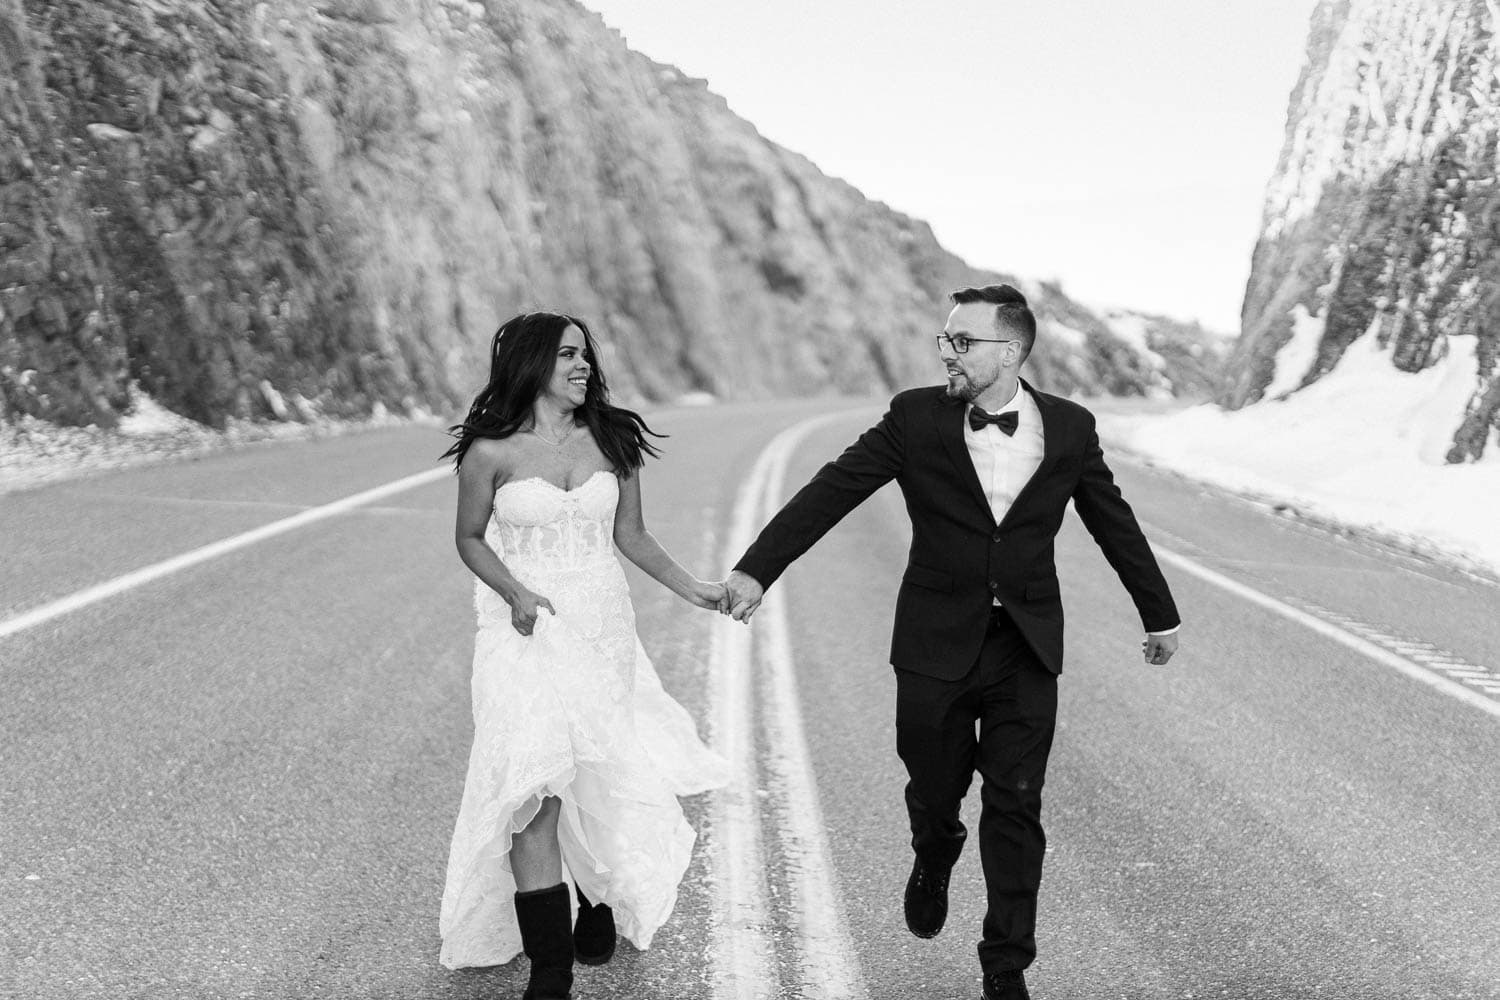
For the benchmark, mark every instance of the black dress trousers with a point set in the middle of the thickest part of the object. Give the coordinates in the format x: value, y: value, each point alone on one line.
x: 1013, y: 699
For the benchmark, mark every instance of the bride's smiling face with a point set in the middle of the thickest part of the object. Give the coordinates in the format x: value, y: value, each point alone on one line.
x: 570, y: 375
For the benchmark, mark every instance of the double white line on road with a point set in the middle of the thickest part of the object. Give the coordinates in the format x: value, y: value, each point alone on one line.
x: 826, y: 968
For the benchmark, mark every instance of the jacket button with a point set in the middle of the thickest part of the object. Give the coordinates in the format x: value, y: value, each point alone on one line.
x: 995, y: 586
x: 999, y: 535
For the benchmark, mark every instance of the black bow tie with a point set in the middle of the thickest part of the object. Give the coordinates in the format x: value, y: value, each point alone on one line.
x: 1005, y: 421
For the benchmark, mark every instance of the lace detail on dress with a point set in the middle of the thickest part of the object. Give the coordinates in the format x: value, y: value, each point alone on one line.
x: 560, y: 545
x: 543, y: 525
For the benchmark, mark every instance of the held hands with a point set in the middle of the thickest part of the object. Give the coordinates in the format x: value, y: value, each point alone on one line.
x: 743, y: 596
x: 524, y: 609
x: 1158, y: 649
x: 707, y: 594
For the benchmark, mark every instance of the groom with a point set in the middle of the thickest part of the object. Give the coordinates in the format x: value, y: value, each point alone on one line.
x: 987, y: 465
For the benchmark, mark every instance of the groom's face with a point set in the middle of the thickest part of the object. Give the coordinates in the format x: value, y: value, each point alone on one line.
x: 974, y: 371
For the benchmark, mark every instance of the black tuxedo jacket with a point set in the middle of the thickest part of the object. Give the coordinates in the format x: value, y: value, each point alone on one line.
x: 960, y: 559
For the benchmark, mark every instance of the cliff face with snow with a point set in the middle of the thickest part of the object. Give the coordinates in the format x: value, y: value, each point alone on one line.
x: 1381, y: 220
x: 282, y: 209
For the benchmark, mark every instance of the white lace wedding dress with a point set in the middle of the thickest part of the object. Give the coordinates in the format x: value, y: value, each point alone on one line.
x: 574, y: 711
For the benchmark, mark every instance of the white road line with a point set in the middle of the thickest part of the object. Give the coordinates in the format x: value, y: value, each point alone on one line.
x: 155, y: 571
x: 745, y: 961
x: 742, y: 946
x: 1344, y: 636
x: 830, y: 969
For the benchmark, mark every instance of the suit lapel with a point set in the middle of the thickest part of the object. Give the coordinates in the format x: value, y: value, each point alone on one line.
x: 949, y: 415
x: 1051, y: 441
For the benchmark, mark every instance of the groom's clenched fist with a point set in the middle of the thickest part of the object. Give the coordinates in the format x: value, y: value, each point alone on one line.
x: 744, y: 595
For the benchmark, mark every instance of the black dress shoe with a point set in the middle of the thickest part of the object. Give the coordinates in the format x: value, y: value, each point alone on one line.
x: 593, y: 932
x: 926, y: 900
x: 1010, y: 985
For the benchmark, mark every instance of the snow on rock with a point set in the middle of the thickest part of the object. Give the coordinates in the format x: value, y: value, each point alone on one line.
x: 1296, y: 355
x: 1176, y: 358
x: 1377, y: 213
x: 147, y: 417
x: 1133, y: 330
x: 1072, y: 339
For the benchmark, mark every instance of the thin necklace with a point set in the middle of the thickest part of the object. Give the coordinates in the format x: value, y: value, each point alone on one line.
x: 556, y: 444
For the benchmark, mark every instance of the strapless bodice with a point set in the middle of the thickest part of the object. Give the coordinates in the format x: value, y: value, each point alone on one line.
x: 540, y: 524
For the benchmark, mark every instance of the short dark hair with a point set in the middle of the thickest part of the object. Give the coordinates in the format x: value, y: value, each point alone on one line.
x: 1012, y: 314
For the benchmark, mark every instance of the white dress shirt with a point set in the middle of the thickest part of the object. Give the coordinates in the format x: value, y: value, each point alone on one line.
x: 1006, y: 463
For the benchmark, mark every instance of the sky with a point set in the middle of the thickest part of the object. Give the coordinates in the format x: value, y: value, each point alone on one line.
x: 1122, y: 149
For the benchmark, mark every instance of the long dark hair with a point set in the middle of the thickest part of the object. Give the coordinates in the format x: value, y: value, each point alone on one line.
x: 523, y: 356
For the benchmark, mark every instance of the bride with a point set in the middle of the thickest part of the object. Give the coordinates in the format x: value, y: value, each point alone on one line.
x: 578, y: 754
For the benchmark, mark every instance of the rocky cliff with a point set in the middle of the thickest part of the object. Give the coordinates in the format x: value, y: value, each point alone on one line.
x: 1381, y: 219
x: 289, y: 209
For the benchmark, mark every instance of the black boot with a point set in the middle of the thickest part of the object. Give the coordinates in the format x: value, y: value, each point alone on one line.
x: 594, y: 932
x: 547, y: 939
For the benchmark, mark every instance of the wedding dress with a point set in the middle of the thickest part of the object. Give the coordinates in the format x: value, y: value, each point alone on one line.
x: 576, y: 711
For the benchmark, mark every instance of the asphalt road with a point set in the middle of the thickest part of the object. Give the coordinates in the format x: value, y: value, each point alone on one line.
x: 239, y: 779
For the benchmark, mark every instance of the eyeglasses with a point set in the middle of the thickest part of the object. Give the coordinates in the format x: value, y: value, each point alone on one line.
x: 960, y: 344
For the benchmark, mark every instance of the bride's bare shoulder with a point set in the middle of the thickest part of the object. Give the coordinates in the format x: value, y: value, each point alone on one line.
x: 490, y: 458
x: 493, y: 449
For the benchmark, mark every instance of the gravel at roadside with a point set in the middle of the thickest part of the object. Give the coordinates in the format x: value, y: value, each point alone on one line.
x: 34, y: 453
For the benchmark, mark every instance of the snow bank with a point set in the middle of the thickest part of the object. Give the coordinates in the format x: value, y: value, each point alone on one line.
x: 1363, y: 446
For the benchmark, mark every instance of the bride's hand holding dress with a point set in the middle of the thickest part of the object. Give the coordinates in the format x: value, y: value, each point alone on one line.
x: 524, y: 607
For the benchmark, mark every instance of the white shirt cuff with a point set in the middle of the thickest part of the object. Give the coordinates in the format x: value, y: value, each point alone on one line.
x: 1170, y: 631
